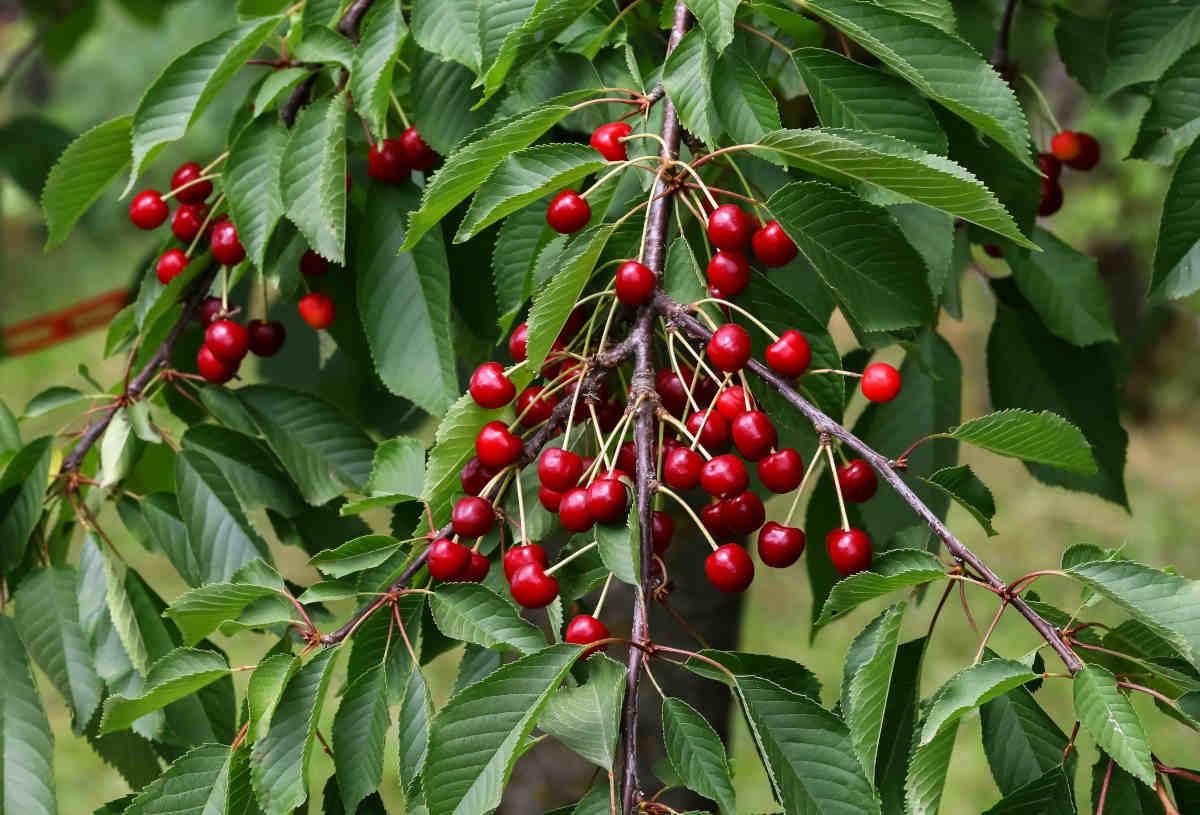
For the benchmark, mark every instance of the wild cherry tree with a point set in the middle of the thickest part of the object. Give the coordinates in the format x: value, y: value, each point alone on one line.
x: 662, y: 238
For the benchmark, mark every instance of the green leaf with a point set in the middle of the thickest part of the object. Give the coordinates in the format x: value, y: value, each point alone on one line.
x: 404, y: 300
x: 52, y: 399
x: 696, y: 753
x: 218, y: 531
x: 1021, y: 741
x: 448, y: 28
x: 81, y: 174
x: 1145, y: 38
x: 248, y: 466
x: 318, y: 446
x: 1050, y: 792
x: 938, y: 13
x: 355, y: 555
x: 473, y: 740
x: 396, y: 475
x: 586, y: 717
x: 687, y: 78
x: 890, y: 571
x: 180, y: 673
x: 1177, y: 256
x: 965, y: 489
x: 265, y: 690
x: 789, y: 675
x: 198, y: 612
x: 252, y: 184
x: 30, y: 144
x: 620, y: 547
x: 927, y: 768
x: 1106, y: 713
x: 383, y: 31
x: 322, y: 44
x: 117, y: 449
x: 1172, y: 122
x: 1065, y: 288
x: 196, y: 784
x: 1125, y: 794
x: 474, y: 613
x: 275, y: 86
x: 970, y: 688
x: 22, y: 494
x: 455, y: 445
x: 47, y: 617
x: 313, y: 178
x: 416, y: 711
x: 744, y: 103
x: 1041, y: 437
x: 866, y: 683
x: 899, y: 724
x: 939, y: 65
x: 442, y: 102
x: 188, y: 85
x: 852, y: 95
x: 358, y: 734
x: 716, y: 20
x: 279, y: 763
x: 26, y: 763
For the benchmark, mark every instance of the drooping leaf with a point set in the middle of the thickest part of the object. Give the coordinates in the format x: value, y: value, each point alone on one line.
x: 196, y: 784
x: 448, y: 29
x: 585, y: 718
x: 890, y: 571
x: 26, y: 768
x: 218, y: 531
x: 687, y: 79
x: 965, y: 489
x: 1021, y: 741
x: 413, y: 724
x: 199, y: 611
x: 716, y: 20
x: 1107, y: 714
x: 697, y: 753
x: 313, y: 177
x: 180, y: 673
x: 474, y: 613
x: 81, y: 175
x: 265, y: 690
x: 252, y: 184
x: 970, y: 688
x: 927, y: 768
x: 383, y: 31
x: 747, y: 109
x: 358, y: 734
x: 22, y: 494
x: 1065, y: 288
x: 1176, y: 266
x: 867, y: 683
x: 899, y: 724
x: 1172, y: 122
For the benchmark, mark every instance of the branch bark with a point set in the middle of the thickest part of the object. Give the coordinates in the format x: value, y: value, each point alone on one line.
x: 1000, y: 55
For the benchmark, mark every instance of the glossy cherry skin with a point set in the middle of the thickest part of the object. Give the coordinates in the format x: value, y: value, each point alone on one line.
x: 662, y: 530
x: 743, y: 514
x: 607, y: 139
x: 226, y: 247
x: 849, y: 549
x: 475, y: 475
x: 187, y: 220
x: 313, y: 265
x: 518, y: 342
x: 496, y: 446
x: 627, y: 457
x: 712, y: 429
x: 387, y: 161
x: 1050, y: 164
x: 790, y: 355
x: 532, y: 587
x: 568, y: 213
x: 729, y: 347
x: 317, y: 309
x: 227, y: 340
x: 148, y: 210
x: 194, y: 194
x: 681, y: 468
x: 1052, y: 198
x: 730, y: 569
x: 477, y: 569
x: 420, y: 155
x: 1089, y: 153
x: 490, y: 388
x: 573, y: 511
x: 880, y: 382
x: 172, y: 262
x: 559, y: 469
x: 672, y: 391
x: 266, y: 338
x: 724, y: 476
x: 550, y: 499
x: 773, y: 247
x: 584, y: 630
x: 635, y: 283
x: 857, y: 480
x: 472, y: 517
x: 447, y: 559
x: 729, y: 228
x: 731, y: 403
x: 212, y: 369
x: 1065, y: 145
x: 782, y: 471
x: 518, y: 556
x: 607, y: 500
x: 713, y: 518
x: 209, y: 309
x: 754, y: 435
x: 729, y: 272
x: 533, y: 408
x: 780, y: 546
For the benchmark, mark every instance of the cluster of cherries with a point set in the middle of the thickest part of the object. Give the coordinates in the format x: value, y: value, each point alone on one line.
x: 1079, y: 151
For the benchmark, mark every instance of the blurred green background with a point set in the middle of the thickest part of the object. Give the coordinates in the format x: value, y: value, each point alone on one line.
x: 1111, y: 212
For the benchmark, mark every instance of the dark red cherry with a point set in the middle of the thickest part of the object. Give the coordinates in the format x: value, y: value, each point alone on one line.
x: 993, y: 251
x: 1052, y: 198
x: 212, y: 369
x: 447, y: 559
x: 475, y: 476
x: 607, y: 500
x: 172, y: 262
x: 227, y: 340
x: 477, y: 569
x: 388, y: 161
x: 1089, y: 153
x: 724, y: 476
x: 317, y: 309
x: 192, y: 193
x: 226, y: 247
x: 584, y: 630
x: 490, y: 387
x: 313, y: 265
x: 713, y: 518
x: 148, y: 210
x: 266, y: 338
x: 780, y: 546
x: 713, y: 430
x: 790, y: 355
x: 662, y: 529
x: 728, y: 272
x: 550, y: 499
x: 857, y: 480
x: 568, y: 213
x: 518, y: 556
x: 880, y: 382
x: 420, y: 156
x: 743, y: 514
x: 729, y: 228
x: 731, y: 403
x: 782, y: 471
x: 559, y: 469
x: 672, y: 391
x: 496, y: 446
x: 753, y: 434
x: 518, y: 342
x: 607, y: 139
x: 1050, y: 164
x: 532, y: 587
x: 472, y: 517
x: 849, y: 549
x: 209, y: 310
x: 187, y: 220
x: 573, y: 511
x: 533, y: 408
x: 730, y: 569
x: 681, y: 468
x: 729, y: 347
x: 634, y: 283
x: 772, y: 247
x: 627, y: 457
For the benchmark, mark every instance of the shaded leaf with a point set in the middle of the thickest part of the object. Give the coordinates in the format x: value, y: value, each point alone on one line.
x: 867, y: 683
x: 586, y: 717
x: 696, y: 752
x: 26, y: 762
x: 313, y: 178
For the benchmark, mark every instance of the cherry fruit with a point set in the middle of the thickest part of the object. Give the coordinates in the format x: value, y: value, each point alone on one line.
x: 187, y: 192
x: 212, y: 369
x: 226, y: 247
x: 533, y: 408
x: 713, y: 518
x: 550, y: 499
x: 388, y: 161
x: 447, y: 559
x: 790, y: 355
x: 711, y: 428
x: 773, y: 247
x: 568, y: 213
x: 780, y: 546
x: 681, y: 468
x: 559, y: 469
x: 662, y: 529
x: 729, y: 228
x: 496, y: 446
x: 472, y: 517
x: 519, y: 342
x: 172, y: 262
x: 607, y: 500
x: 477, y: 569
x: 724, y: 476
x: 317, y: 309
x: 1052, y: 198
x: 490, y: 387
x: 857, y: 480
x: 730, y: 569
x: 782, y: 471
x: 731, y: 403
x: 635, y: 283
x: 227, y: 340
x: 607, y: 139
x: 187, y: 220
x: 585, y: 629
x: 532, y: 587
x: 209, y: 310
x: 729, y: 347
x: 148, y: 210
x: 313, y: 265
x: 1050, y: 164
x: 573, y: 511
x: 420, y: 156
x: 518, y: 556
x: 728, y: 272
x: 849, y: 549
x: 754, y: 435
x: 266, y: 338
x: 880, y: 382
x: 475, y: 476
x: 743, y: 514
x: 1079, y: 151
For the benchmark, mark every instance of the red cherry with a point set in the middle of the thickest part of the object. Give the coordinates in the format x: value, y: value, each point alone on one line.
x: 635, y: 283
x: 518, y: 342
x: 993, y: 251
x: 266, y: 338
x: 213, y: 369
x: 496, y: 446
x: 781, y: 471
x: 849, y: 549
x: 209, y: 310
x: 1052, y: 198
x: 532, y: 587
x: 575, y: 321
x: 681, y: 468
x: 729, y: 347
x: 559, y: 469
x: 662, y: 529
x: 573, y: 511
x: 609, y: 415
x: 780, y: 546
x: 627, y: 457
x: 607, y: 500
x: 550, y: 499
x: 194, y: 194
x: 313, y: 265
x: 490, y: 388
x: 857, y: 480
x: 148, y: 210
x: 477, y: 569
x: 533, y: 408
x: 607, y: 139
x: 388, y: 161
x: 672, y: 391
x: 713, y: 518
x: 724, y: 476
x: 317, y: 309
x: 790, y: 355
x: 728, y: 272
x: 172, y: 262
x: 519, y: 556
x: 472, y: 517
x: 743, y: 514
x: 773, y: 247
x: 227, y: 340
x: 586, y: 629
x: 1089, y: 153
x: 880, y: 382
x: 730, y: 569
x: 728, y: 227
x: 187, y: 220
x: 420, y: 155
x: 1065, y: 145
x: 568, y: 213
x: 1051, y: 166
x: 226, y: 247
x: 712, y: 429
x: 447, y: 559
x: 753, y: 434
x: 731, y: 403
x: 475, y: 476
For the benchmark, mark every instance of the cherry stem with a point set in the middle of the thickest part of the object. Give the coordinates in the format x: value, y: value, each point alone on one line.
x: 1190, y: 776
x: 708, y: 411
x: 837, y: 487
x: 663, y: 415
x: 815, y: 467
x: 174, y: 191
x: 400, y: 111
x: 991, y: 628
x: 703, y: 187
x: 836, y: 371
x: 203, y: 226
x: 667, y: 491
x: 1043, y: 104
x: 521, y: 509
x: 902, y: 459
x: 691, y: 400
x: 214, y: 163
x: 615, y: 171
x: 577, y: 553
x: 603, y: 596
x: 1104, y: 788
x: 1024, y: 581
x: 603, y: 455
x: 774, y: 337
x: 764, y: 36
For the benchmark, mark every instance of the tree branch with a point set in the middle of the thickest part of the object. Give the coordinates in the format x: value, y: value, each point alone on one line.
x: 678, y: 314
x: 1000, y: 55
x: 352, y: 19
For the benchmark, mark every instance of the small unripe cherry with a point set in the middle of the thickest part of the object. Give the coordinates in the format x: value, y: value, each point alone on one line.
x: 447, y: 559
x: 518, y: 556
x: 880, y: 382
x: 195, y: 193
x: 634, y: 283
x: 317, y: 309
x: 148, y: 210
x: 729, y: 272
x: 518, y: 342
x: 724, y: 476
x: 531, y: 587
x: 172, y: 262
x: 790, y: 355
x: 729, y: 228
x: 773, y: 247
x: 681, y: 468
x: 607, y: 140
x: 226, y: 247
x: 497, y: 446
x: 849, y: 549
x: 729, y: 348
x: 568, y: 212
x: 585, y: 629
x: 490, y: 387
x: 212, y: 369
x: 227, y: 340
x: 472, y: 517
x: 857, y: 480
x: 782, y: 471
x: 754, y: 435
x: 730, y: 569
x: 780, y: 546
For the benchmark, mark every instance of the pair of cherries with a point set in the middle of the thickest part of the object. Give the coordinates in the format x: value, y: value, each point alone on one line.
x: 729, y: 350
x: 731, y: 229
x: 149, y: 210
x: 525, y: 568
x: 449, y: 560
x: 316, y: 308
x: 1079, y: 151
x: 393, y: 160
x: 226, y: 343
